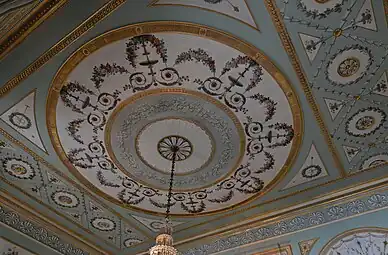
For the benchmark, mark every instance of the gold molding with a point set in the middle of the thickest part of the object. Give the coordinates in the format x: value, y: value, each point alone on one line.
x: 284, y: 215
x: 183, y: 28
x: 276, y: 251
x: 154, y: 3
x: 385, y: 2
x: 289, y: 48
x: 17, y: 35
x: 70, y: 38
x: 48, y: 223
x: 137, y: 96
x: 327, y: 247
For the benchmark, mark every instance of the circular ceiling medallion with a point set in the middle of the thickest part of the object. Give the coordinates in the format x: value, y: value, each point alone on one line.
x: 311, y: 171
x: 20, y: 120
x: 131, y: 241
x: 103, y: 224
x: 365, y: 122
x: 18, y: 168
x: 116, y: 113
x: 349, y: 65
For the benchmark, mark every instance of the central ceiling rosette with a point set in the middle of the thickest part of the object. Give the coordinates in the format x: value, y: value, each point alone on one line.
x: 121, y: 101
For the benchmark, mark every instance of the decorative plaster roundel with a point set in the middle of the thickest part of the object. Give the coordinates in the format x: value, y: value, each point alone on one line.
x: 123, y: 99
x: 358, y: 241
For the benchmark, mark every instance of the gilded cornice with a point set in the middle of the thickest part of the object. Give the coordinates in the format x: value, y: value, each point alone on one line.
x: 70, y: 38
x: 15, y: 36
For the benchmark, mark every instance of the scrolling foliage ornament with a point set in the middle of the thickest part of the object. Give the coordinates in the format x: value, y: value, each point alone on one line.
x: 150, y: 69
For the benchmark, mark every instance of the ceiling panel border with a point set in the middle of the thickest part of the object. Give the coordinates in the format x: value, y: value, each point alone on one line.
x: 17, y: 35
x: 61, y: 174
x: 289, y: 47
x: 23, y: 214
x: 66, y: 41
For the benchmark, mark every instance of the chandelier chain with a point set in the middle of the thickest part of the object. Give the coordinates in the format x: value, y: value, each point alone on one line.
x: 175, y: 150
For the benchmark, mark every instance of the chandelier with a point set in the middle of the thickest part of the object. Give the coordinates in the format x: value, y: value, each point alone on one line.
x: 172, y: 148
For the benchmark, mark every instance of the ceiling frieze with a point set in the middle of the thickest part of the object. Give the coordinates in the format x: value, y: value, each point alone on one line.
x: 304, y: 219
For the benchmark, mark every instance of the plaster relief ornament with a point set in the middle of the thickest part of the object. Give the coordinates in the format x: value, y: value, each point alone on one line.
x: 103, y: 224
x: 365, y: 122
x: 319, y: 9
x: 18, y: 168
x: 65, y: 199
x: 122, y: 105
x: 374, y: 161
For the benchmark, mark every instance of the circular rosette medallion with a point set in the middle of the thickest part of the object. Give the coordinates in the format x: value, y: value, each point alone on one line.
x: 349, y: 65
x: 116, y: 112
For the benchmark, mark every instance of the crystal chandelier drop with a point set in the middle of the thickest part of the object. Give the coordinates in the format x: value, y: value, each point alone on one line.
x: 170, y: 149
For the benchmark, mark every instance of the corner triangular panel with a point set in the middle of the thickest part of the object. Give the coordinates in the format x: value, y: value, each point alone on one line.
x: 311, y: 45
x: 366, y: 17
x: 53, y: 179
x: 333, y: 106
x: 350, y: 152
x: 381, y: 88
x: 307, y: 245
x: 21, y: 117
x: 153, y: 224
x: 312, y: 169
x: 236, y: 9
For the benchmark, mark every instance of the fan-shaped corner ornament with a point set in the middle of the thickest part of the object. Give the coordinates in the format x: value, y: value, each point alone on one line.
x: 237, y: 9
x: 146, y: 87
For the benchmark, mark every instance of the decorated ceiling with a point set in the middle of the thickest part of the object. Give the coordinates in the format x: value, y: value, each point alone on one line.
x: 278, y: 109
